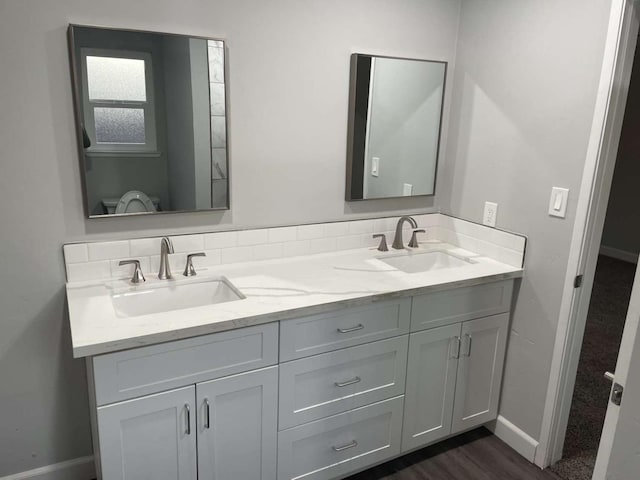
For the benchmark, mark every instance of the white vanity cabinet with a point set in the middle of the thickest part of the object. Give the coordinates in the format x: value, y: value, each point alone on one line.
x: 147, y: 438
x: 218, y: 429
x: 316, y: 397
x: 453, y: 379
x: 237, y: 426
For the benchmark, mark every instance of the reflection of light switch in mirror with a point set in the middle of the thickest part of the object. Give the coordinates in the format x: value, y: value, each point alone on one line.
x: 558, y: 202
x: 407, y: 190
x: 375, y: 165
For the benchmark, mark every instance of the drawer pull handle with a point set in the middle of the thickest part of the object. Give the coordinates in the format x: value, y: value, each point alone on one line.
x: 352, y: 329
x: 188, y: 416
x: 207, y: 421
x: 348, y: 382
x: 345, y: 447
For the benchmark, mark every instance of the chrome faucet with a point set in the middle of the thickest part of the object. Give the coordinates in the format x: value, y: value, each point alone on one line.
x: 397, y: 240
x: 166, y: 247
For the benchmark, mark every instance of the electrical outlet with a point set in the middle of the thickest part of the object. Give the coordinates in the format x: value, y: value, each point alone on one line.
x: 407, y: 189
x: 490, y: 214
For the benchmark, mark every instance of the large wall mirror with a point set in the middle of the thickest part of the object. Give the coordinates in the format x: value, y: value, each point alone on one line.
x: 151, y: 119
x: 395, y: 117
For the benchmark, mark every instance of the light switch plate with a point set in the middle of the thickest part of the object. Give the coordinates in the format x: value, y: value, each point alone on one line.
x: 558, y: 202
x: 490, y: 214
x: 375, y: 166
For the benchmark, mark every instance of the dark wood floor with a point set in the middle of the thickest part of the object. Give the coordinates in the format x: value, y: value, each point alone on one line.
x: 476, y: 455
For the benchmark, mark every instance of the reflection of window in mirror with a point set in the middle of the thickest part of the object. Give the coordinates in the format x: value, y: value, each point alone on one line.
x: 118, y: 101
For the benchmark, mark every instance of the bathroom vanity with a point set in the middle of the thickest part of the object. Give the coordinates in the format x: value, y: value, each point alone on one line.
x: 331, y: 363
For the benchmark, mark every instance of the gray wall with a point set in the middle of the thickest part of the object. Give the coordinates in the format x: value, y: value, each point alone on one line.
x: 404, y: 126
x: 288, y: 124
x: 622, y: 225
x: 526, y: 77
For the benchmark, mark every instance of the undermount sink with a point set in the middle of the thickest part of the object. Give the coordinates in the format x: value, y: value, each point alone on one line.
x: 172, y: 296
x: 423, y: 262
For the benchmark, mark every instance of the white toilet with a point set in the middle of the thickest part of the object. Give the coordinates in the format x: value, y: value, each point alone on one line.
x: 133, y: 201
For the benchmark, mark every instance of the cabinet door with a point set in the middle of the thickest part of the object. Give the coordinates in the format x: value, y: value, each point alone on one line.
x: 237, y: 426
x: 149, y: 438
x: 484, y: 342
x: 431, y: 382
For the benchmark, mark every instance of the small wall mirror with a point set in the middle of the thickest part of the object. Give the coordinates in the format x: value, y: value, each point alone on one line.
x: 395, y: 116
x: 151, y: 120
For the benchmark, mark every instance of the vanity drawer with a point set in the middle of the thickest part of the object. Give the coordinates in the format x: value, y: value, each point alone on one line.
x: 141, y: 371
x: 323, y: 385
x: 315, y: 334
x: 337, y: 445
x: 460, y: 304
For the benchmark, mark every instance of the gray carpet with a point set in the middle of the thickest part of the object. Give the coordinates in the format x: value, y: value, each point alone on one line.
x: 603, y: 332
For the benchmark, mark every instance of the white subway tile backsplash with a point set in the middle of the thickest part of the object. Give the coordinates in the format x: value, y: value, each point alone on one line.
x: 308, y: 232
x: 96, y: 261
x: 236, y: 255
x: 76, y: 253
x: 220, y: 240
x: 296, y: 248
x: 188, y: 243
x: 141, y: 247
x: 268, y: 251
x: 322, y: 245
x: 109, y: 250
x: 78, y: 272
x: 252, y: 237
x: 211, y: 259
x: 337, y: 229
x: 369, y: 241
x: 282, y: 234
x: 349, y: 242
x: 361, y: 226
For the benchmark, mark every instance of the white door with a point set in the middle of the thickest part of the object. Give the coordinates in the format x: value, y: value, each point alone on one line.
x: 431, y: 383
x: 149, y: 438
x: 618, y: 455
x: 484, y: 342
x: 237, y: 426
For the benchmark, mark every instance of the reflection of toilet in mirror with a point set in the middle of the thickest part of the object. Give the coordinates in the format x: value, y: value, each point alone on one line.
x: 133, y: 201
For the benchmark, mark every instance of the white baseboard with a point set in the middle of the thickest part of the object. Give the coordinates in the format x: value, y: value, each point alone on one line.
x: 77, y: 469
x: 514, y: 437
x: 619, y: 254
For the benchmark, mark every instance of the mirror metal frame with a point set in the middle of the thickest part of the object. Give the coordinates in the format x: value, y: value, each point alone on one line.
x: 77, y: 103
x: 352, y: 117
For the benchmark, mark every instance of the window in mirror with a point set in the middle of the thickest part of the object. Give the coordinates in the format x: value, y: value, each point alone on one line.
x: 118, y: 101
x: 151, y: 120
x: 395, y: 116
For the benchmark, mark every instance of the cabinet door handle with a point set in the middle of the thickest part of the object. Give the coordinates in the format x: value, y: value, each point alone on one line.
x: 467, y: 350
x: 352, y: 329
x: 188, y: 415
x: 455, y: 347
x: 345, y: 447
x: 207, y: 413
x: 348, y: 382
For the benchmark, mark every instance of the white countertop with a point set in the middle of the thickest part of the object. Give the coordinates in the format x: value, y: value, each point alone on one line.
x: 274, y: 290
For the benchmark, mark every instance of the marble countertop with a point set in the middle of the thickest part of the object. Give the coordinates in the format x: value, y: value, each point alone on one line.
x: 274, y: 290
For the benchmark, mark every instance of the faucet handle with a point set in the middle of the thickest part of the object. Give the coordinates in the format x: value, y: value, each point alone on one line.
x: 138, y: 276
x: 189, y: 271
x: 383, y: 242
x: 413, y: 243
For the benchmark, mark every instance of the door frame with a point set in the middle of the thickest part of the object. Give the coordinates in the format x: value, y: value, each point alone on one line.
x: 592, y: 203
